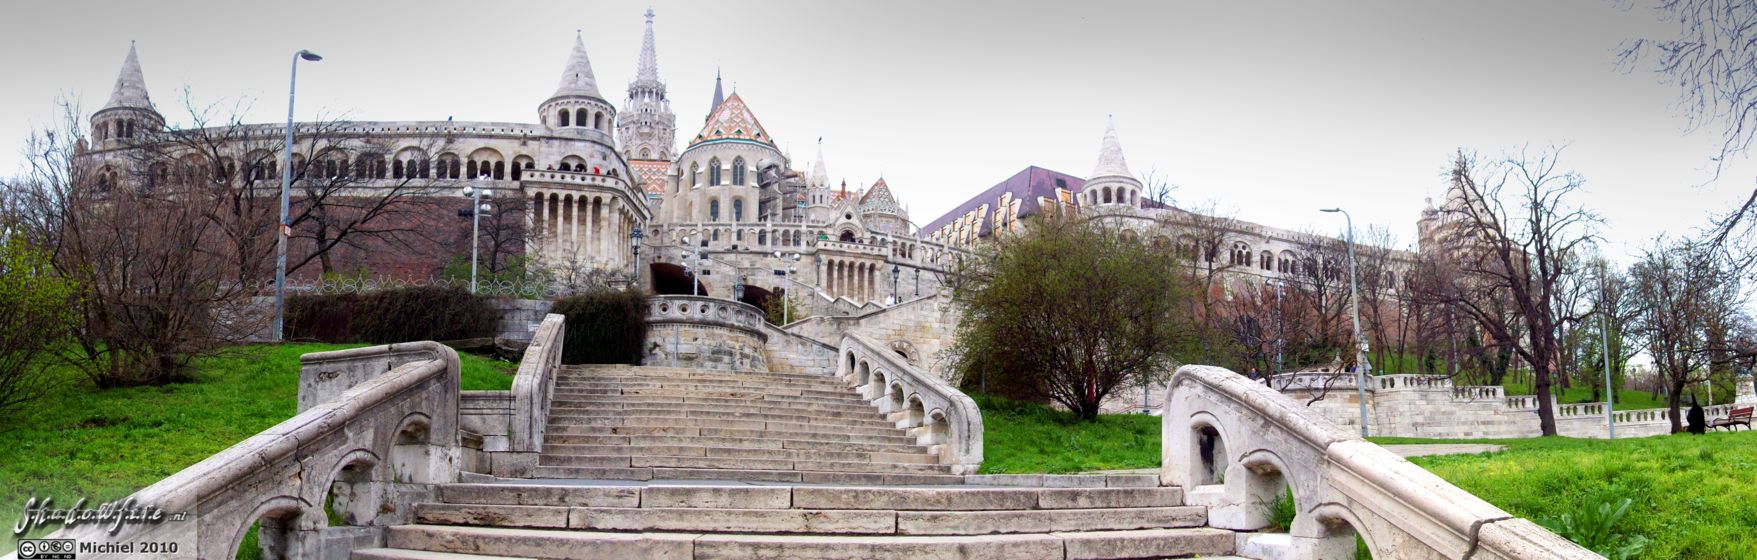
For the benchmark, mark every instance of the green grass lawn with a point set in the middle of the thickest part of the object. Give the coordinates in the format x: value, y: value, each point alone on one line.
x: 1627, y: 399
x: 1694, y: 496
x: 79, y: 441
x: 1029, y: 438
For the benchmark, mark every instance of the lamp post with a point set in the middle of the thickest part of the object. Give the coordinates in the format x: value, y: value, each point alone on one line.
x: 1360, y: 342
x: 896, y: 272
x: 1604, y: 325
x: 634, y: 241
x: 286, y: 184
x: 476, y: 210
x: 787, y: 283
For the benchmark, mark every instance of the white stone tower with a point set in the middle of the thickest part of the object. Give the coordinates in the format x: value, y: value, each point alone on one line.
x: 129, y: 114
x: 1111, y: 184
x: 647, y: 132
x: 576, y: 106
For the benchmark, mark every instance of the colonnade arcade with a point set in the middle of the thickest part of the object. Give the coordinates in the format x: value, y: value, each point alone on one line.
x: 857, y: 280
x: 584, y: 227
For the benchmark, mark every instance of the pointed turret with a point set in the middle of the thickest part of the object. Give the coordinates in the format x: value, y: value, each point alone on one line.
x: 1110, y: 156
x: 577, y: 78
x: 719, y: 96
x: 820, y: 174
x: 648, y: 70
x: 130, y: 85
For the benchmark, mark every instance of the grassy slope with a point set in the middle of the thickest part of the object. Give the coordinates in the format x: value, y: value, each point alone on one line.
x: 1695, y: 496
x: 102, y: 445
x: 1028, y: 438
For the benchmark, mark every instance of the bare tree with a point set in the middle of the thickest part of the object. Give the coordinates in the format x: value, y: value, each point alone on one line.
x: 1202, y: 238
x: 1684, y: 296
x: 1517, y: 254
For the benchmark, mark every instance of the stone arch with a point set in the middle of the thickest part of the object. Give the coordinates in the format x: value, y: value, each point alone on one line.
x: 863, y: 376
x: 1208, y: 457
x: 914, y: 414
x: 936, y: 430
x: 580, y: 116
x: 1328, y: 530
x: 412, y: 452
x: 894, y: 401
x: 352, y: 492
x: 279, y: 521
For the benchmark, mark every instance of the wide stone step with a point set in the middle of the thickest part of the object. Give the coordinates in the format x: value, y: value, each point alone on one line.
x: 686, y: 450
x: 641, y: 400
x: 746, y: 475
x: 777, y: 415
x: 743, y: 408
x: 762, y: 440
x: 741, y: 463
x: 732, y: 519
x: 844, y: 435
x: 931, y: 498
x: 873, y: 427
x: 571, y: 393
x: 550, y: 543
x: 401, y: 554
x: 671, y: 372
x: 657, y: 382
x: 706, y: 391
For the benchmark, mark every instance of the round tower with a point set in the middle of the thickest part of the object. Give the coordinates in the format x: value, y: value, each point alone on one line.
x: 576, y: 105
x: 129, y: 114
x: 1111, y: 184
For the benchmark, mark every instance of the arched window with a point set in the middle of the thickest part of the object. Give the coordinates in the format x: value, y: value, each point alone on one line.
x: 738, y: 171
x: 580, y: 116
x: 426, y: 168
x: 562, y: 117
x: 738, y: 210
x: 598, y: 121
x: 1241, y: 254
x: 714, y: 172
x: 470, y: 170
x: 1266, y: 261
x: 500, y: 170
x: 1107, y: 195
x: 695, y: 175
x: 714, y: 210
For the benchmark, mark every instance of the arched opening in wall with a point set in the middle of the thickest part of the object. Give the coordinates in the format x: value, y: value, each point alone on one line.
x: 847, y: 237
x: 756, y: 296
x: 1333, y: 532
x: 1107, y: 195
x: 673, y: 280
x: 894, y: 400
x: 581, y: 116
x: 1210, y: 456
x: 561, y: 118
x: 411, y: 457
x: 353, y: 499
x: 915, y: 416
x: 862, y: 377
x: 936, y: 431
x: 271, y: 533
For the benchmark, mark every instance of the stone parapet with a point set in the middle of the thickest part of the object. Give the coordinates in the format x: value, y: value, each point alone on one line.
x: 705, y: 332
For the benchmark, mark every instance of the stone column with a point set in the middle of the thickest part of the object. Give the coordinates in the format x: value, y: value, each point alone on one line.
x: 534, y: 222
x: 591, y: 234
x: 573, y: 223
x: 1744, y: 391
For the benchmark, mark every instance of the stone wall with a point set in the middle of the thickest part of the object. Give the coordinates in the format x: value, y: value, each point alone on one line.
x: 919, y: 330
x: 706, y: 333
x: 519, y: 317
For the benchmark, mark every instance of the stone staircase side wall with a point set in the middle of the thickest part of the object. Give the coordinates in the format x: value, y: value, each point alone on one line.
x: 920, y: 329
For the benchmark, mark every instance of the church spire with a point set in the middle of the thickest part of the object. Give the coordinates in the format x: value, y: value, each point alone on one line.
x: 820, y: 175
x: 1110, y: 156
x: 130, y: 85
x: 577, y: 78
x: 648, y: 70
x: 719, y: 94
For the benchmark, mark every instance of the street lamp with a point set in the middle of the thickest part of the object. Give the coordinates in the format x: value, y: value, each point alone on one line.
x: 286, y: 184
x: 738, y: 289
x: 634, y: 241
x: 786, y: 282
x: 1604, y: 326
x: 1360, y: 342
x: 896, y: 271
x: 477, y: 207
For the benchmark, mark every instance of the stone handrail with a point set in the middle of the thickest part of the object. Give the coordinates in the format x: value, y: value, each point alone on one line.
x: 1412, y: 381
x: 705, y: 310
x: 937, y: 414
x: 367, y: 455
x: 1234, y: 445
x: 534, y: 385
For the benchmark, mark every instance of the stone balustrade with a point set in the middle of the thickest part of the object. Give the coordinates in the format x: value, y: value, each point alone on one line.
x: 376, y: 431
x: 1234, y: 445
x: 856, y: 248
x: 1409, y: 381
x: 705, y: 332
x: 937, y: 414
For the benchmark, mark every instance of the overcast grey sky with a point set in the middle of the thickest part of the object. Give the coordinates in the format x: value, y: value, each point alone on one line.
x: 1272, y: 109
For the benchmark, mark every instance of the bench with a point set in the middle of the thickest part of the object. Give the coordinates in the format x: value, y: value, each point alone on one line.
x: 1734, y: 418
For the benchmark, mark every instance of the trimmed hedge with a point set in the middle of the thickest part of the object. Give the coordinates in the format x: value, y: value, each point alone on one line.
x: 387, y: 316
x: 607, y: 327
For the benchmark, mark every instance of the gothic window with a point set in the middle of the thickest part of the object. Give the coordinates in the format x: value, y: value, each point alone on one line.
x: 500, y: 170
x: 562, y: 116
x: 738, y: 171
x: 695, y: 175
x: 714, y: 172
x: 714, y: 210
x: 580, y: 116
x: 1241, y: 254
x: 738, y: 210
x: 455, y: 168
x: 646, y: 153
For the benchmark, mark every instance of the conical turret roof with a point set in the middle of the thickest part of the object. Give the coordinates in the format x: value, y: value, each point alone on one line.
x: 648, y: 69
x: 130, y: 85
x: 577, y: 78
x: 820, y: 174
x: 1110, y: 156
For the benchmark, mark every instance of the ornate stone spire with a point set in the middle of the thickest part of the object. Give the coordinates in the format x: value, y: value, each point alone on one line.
x: 577, y: 78
x: 648, y: 71
x: 130, y: 85
x: 1110, y: 156
x: 820, y: 175
x: 719, y: 95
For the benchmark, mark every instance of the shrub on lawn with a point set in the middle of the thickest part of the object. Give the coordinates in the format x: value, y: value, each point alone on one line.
x: 35, y: 315
x: 387, y: 316
x: 604, y: 327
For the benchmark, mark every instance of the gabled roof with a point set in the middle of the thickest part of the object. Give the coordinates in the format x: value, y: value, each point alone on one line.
x: 878, y: 199
x: 130, y: 85
x: 732, y: 120
x: 577, y: 78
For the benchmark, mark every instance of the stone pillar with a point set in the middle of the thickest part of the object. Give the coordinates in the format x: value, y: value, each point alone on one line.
x: 573, y: 222
x: 585, y: 245
x: 534, y: 222
x: 1745, y: 393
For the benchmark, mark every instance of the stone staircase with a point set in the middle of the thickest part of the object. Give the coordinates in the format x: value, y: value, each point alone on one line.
x: 806, y: 522
x: 646, y: 423
x: 654, y: 462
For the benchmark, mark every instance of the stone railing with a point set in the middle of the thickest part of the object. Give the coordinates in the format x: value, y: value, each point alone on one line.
x: 1234, y: 445
x: 856, y: 248
x: 511, y: 423
x: 1411, y: 381
x: 937, y: 414
x: 1473, y: 392
x: 795, y: 353
x: 705, y: 332
x: 704, y: 310
x: 383, y: 434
